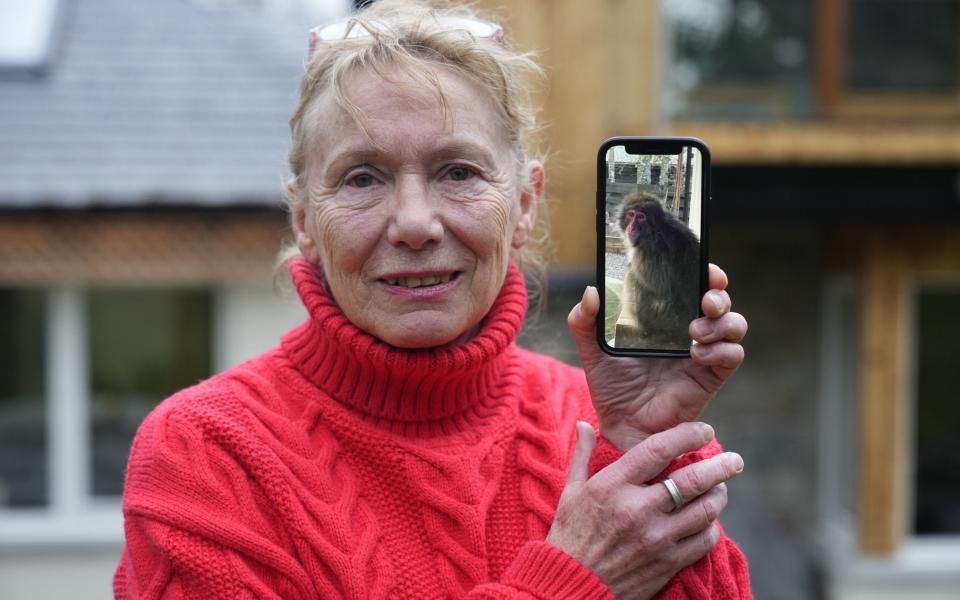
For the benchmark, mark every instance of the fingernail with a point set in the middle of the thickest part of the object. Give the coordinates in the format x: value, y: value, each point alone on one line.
x: 701, y: 350
x: 578, y: 427
x: 737, y: 462
x: 717, y: 301
x: 701, y: 328
x: 706, y: 431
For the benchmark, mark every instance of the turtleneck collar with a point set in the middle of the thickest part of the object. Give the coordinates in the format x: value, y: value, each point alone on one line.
x: 382, y: 382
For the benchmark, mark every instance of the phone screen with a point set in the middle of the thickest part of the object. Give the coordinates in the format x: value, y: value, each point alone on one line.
x: 652, y: 259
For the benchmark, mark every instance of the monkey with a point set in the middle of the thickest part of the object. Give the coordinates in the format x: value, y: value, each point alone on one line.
x: 661, y: 284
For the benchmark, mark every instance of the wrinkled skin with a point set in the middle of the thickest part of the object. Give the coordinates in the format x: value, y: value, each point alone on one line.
x: 636, y: 397
x: 628, y: 533
x: 433, y: 192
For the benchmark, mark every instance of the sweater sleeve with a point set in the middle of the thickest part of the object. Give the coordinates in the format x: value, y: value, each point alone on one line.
x: 163, y: 562
x: 543, y: 572
x: 189, y: 528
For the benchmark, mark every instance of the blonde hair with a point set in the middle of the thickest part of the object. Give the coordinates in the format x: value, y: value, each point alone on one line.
x: 410, y: 34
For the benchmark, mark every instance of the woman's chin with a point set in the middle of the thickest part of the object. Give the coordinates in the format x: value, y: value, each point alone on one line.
x: 424, y: 335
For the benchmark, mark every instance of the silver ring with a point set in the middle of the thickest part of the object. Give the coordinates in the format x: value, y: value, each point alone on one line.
x: 674, y: 492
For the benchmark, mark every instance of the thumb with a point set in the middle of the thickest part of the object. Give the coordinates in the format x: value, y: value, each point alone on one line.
x: 580, y: 462
x: 582, y: 321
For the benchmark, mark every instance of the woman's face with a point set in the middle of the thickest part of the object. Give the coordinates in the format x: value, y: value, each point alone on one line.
x: 413, y: 227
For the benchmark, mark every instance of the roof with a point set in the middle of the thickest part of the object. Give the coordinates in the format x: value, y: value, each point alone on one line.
x: 153, y: 102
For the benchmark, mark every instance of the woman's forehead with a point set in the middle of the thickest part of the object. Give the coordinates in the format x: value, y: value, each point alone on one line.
x: 395, y: 113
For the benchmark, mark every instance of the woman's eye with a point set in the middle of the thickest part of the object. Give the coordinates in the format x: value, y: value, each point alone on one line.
x: 459, y: 173
x: 361, y: 180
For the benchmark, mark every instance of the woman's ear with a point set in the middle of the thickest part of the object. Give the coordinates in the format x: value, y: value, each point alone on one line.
x: 298, y: 223
x: 530, y: 195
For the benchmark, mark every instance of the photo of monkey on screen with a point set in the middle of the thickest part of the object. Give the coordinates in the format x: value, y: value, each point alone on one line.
x: 652, y: 263
x: 661, y: 283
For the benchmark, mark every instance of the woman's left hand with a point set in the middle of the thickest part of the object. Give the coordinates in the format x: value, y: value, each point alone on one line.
x: 636, y: 397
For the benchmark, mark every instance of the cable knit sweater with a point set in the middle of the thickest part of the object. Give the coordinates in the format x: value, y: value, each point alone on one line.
x: 335, y: 466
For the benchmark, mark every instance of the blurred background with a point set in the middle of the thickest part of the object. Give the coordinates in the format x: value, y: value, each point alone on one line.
x: 142, y: 156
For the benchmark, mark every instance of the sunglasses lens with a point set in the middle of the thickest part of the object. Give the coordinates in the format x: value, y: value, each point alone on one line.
x: 343, y: 30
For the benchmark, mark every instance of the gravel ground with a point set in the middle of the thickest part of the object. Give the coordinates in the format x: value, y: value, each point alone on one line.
x: 615, y: 265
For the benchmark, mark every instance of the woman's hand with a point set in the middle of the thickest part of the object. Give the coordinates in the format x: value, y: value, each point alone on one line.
x: 636, y: 397
x: 628, y: 533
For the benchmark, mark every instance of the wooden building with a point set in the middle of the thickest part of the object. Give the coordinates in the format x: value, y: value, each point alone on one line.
x: 834, y: 127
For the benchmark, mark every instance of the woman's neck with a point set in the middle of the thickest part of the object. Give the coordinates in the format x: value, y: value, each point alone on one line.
x: 416, y: 387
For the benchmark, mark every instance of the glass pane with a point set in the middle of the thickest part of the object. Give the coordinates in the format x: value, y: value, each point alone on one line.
x: 739, y: 59
x: 144, y: 346
x: 23, y: 432
x: 904, y: 45
x: 938, y: 413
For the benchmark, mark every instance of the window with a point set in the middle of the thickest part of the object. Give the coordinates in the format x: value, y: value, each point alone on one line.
x: 772, y: 60
x: 937, y: 468
x: 80, y: 370
x: 144, y: 346
x: 736, y: 59
x: 23, y: 440
x: 903, y: 45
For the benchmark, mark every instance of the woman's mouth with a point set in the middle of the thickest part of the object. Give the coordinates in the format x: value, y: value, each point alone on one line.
x: 425, y: 286
x: 417, y: 282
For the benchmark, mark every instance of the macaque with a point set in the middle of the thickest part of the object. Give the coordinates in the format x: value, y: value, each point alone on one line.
x: 661, y: 286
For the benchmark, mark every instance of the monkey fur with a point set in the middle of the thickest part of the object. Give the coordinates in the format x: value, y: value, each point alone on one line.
x: 662, y: 280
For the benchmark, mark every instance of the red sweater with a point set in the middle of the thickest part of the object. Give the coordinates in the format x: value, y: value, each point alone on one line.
x: 335, y: 466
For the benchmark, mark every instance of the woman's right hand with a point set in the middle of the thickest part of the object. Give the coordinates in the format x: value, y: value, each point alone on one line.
x: 628, y: 533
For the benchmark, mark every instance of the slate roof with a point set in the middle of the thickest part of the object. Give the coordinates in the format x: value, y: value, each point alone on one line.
x: 153, y: 102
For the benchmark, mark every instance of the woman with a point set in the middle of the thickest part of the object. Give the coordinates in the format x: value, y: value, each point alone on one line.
x: 399, y: 444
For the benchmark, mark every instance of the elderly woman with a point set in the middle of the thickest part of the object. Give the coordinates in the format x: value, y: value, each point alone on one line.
x: 398, y: 444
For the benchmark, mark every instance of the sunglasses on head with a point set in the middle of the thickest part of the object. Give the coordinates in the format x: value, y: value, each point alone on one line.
x: 349, y: 29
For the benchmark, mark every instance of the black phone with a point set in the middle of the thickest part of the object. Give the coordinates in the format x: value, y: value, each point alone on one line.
x: 652, y: 230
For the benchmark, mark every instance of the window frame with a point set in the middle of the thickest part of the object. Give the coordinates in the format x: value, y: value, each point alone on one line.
x: 871, y: 547
x: 836, y: 99
x: 895, y: 264
x: 72, y: 514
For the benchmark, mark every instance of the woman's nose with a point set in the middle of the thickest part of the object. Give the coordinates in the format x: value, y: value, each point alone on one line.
x: 414, y: 221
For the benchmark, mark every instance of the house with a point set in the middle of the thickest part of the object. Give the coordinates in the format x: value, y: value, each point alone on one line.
x: 142, y: 165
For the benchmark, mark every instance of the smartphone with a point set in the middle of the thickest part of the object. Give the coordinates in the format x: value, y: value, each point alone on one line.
x: 652, y: 229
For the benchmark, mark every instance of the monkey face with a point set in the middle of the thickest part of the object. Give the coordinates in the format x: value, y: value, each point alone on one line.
x: 639, y: 218
x: 635, y: 225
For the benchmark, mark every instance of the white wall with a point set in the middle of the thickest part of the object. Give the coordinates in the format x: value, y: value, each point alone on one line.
x: 250, y: 320
x: 75, y: 573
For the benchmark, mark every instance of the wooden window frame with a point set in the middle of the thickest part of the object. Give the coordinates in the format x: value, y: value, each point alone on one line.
x: 833, y: 95
x: 894, y: 263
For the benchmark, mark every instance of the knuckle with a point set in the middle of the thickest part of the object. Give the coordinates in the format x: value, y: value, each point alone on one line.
x: 651, y: 540
x: 657, y: 449
x: 721, y: 493
x: 698, y: 484
x: 710, y: 538
x: 597, y: 493
x: 706, y: 543
x: 710, y: 509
